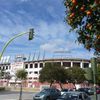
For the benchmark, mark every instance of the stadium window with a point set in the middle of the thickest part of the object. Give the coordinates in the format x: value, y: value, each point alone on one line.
x: 30, y: 72
x: 57, y: 63
x: 85, y: 65
x: 36, y: 65
x: 26, y: 66
x: 35, y: 72
x: 6, y: 67
x: 30, y: 78
x: 35, y: 78
x: 31, y: 65
x: 76, y: 64
x: 67, y: 64
x: 41, y: 65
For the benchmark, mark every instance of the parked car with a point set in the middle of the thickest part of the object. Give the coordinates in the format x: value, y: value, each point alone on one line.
x: 64, y: 91
x: 47, y: 94
x: 89, y: 91
x: 74, y: 95
x: 98, y: 90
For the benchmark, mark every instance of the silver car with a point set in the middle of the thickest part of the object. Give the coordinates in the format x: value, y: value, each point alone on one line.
x: 47, y: 94
x: 74, y: 95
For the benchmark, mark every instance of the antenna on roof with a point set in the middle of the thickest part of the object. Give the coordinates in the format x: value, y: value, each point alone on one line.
x: 43, y: 55
x: 34, y: 56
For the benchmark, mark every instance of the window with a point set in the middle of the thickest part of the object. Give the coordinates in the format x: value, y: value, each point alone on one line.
x: 26, y: 66
x: 41, y: 65
x: 67, y: 64
x: 35, y: 72
x: 85, y: 65
x: 6, y: 67
x: 57, y: 63
x: 30, y: 78
x: 76, y: 64
x: 36, y: 65
x: 31, y: 65
x: 35, y: 78
x: 30, y: 72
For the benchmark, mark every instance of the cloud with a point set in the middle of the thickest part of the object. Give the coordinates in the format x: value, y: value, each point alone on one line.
x: 47, y: 19
x: 25, y: 0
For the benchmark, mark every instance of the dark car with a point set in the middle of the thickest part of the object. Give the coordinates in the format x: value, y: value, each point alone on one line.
x: 74, y: 95
x: 89, y: 91
x: 47, y: 94
x: 64, y: 91
x: 98, y: 90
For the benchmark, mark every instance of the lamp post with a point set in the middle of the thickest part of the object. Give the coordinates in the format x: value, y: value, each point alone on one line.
x: 31, y: 34
x: 94, y: 69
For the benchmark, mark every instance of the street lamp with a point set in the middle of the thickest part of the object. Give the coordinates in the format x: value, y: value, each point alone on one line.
x: 31, y: 35
x: 94, y: 69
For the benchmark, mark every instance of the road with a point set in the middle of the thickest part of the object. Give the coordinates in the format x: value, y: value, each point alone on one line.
x: 10, y: 95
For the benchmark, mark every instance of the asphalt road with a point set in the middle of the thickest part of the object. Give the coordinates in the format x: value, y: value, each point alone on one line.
x: 10, y: 95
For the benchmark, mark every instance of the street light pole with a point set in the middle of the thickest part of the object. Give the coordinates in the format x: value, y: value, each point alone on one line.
x: 94, y: 69
x: 31, y: 33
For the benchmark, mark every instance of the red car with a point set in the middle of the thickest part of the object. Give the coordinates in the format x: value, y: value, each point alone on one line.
x: 98, y: 90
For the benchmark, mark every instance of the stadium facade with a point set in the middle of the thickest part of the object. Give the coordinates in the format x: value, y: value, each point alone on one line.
x: 33, y: 67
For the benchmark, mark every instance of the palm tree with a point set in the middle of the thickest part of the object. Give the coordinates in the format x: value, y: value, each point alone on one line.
x: 22, y: 75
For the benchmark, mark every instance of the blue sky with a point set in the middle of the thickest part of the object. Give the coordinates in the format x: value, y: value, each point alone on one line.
x: 51, y: 32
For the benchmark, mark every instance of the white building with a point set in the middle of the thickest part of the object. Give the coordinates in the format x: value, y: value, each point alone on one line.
x: 33, y: 67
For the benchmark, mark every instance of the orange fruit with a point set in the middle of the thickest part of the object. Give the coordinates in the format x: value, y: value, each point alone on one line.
x: 72, y: 15
x: 98, y: 36
x: 74, y: 2
x: 89, y: 13
x: 89, y: 26
x: 82, y: 8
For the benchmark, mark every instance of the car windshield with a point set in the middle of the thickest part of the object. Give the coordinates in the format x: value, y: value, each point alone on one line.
x: 69, y: 96
x: 45, y: 90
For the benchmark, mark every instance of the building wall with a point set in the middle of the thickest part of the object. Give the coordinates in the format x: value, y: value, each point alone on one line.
x: 33, y: 67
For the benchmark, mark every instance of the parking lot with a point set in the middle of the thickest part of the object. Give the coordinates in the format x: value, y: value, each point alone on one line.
x: 12, y: 95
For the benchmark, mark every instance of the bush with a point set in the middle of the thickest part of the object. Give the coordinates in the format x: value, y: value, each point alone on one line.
x: 2, y: 88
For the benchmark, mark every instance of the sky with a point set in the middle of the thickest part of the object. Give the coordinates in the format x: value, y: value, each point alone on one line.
x: 51, y: 36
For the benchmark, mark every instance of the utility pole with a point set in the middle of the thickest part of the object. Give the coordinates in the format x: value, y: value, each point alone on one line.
x: 94, y: 69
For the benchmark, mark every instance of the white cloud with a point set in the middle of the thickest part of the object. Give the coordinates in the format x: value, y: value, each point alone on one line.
x: 25, y: 0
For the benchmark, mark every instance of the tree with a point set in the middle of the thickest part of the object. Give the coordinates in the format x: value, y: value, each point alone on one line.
x: 53, y: 72
x: 76, y: 74
x: 84, y: 17
x: 98, y: 74
x: 22, y: 75
x: 89, y: 74
x: 1, y: 74
x: 7, y: 76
